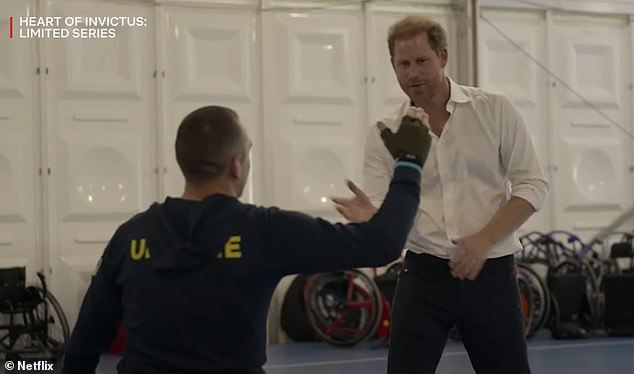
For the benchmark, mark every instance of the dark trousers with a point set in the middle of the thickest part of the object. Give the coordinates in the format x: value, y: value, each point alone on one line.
x: 429, y: 302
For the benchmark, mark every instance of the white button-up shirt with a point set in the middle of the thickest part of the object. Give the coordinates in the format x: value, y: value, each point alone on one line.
x: 483, y: 157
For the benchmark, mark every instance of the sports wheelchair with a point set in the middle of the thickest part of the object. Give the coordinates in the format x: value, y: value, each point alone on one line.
x: 347, y: 307
x: 32, y: 322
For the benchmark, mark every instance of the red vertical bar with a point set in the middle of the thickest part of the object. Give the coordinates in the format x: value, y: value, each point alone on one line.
x: 11, y: 27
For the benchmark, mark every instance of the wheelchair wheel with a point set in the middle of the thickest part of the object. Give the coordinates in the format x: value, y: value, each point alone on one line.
x: 57, y: 332
x: 344, y: 307
x: 526, y: 295
x: 38, y: 331
x: 536, y: 298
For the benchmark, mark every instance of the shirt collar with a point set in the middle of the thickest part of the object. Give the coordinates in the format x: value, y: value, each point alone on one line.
x: 457, y: 94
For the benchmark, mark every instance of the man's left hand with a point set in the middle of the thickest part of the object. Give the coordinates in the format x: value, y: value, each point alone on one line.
x: 470, y: 257
x: 357, y: 209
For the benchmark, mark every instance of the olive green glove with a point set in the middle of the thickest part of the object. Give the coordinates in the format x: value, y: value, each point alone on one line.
x: 412, y: 140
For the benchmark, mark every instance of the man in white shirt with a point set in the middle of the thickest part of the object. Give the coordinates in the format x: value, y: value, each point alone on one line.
x: 481, y: 182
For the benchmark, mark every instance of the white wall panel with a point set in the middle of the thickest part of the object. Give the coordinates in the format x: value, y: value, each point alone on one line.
x: 505, y: 68
x: 19, y: 146
x: 210, y: 57
x: 100, y: 138
x: 313, y: 106
x: 593, y: 182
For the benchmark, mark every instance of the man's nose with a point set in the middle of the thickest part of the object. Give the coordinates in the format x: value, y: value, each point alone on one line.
x: 413, y: 72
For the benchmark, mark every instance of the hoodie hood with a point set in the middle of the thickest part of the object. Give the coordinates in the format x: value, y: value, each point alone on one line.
x: 181, y: 232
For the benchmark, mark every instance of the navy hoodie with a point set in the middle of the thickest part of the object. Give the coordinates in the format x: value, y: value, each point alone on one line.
x: 191, y: 281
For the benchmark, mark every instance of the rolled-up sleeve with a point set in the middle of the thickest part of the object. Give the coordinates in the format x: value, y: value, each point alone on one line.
x: 519, y: 158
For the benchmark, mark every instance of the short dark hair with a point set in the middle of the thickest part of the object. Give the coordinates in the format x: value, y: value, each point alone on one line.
x: 414, y: 25
x: 206, y: 140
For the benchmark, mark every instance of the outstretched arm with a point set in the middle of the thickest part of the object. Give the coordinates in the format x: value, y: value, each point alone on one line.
x: 303, y: 244
x: 306, y: 245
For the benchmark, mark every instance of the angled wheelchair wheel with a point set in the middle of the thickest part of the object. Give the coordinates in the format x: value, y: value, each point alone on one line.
x: 55, y: 331
x: 534, y: 297
x: 37, y: 332
x: 344, y: 307
x: 526, y: 295
x: 32, y: 323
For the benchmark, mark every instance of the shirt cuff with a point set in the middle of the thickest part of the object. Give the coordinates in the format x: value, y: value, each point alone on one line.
x: 535, y: 195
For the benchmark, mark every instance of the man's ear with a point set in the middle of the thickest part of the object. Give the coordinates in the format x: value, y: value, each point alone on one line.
x: 235, y: 166
x: 444, y: 56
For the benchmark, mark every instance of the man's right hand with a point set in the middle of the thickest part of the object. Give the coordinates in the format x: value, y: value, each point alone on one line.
x: 412, y: 140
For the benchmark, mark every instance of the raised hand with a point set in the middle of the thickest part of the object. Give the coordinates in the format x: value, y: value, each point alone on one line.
x: 412, y: 140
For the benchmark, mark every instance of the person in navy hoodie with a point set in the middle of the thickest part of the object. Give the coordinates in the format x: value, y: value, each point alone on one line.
x: 191, y: 279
